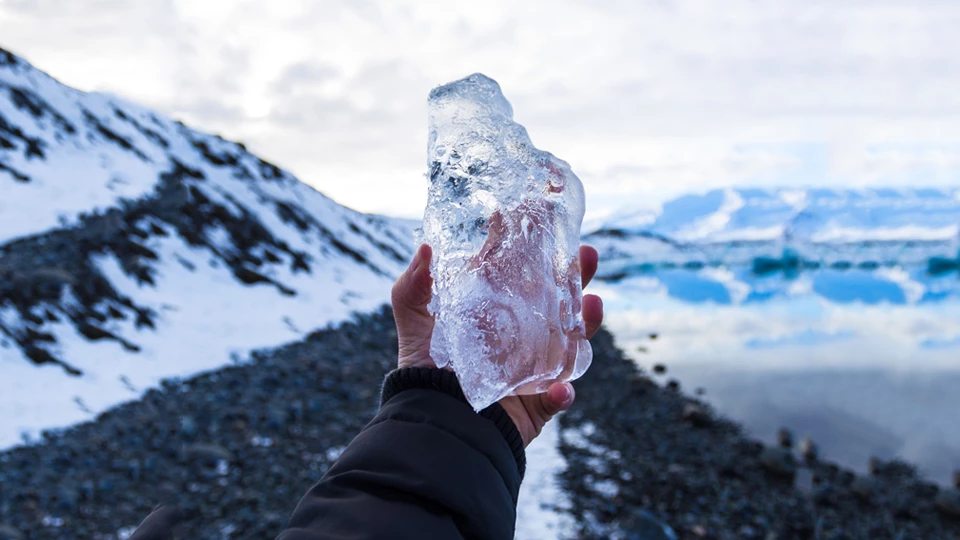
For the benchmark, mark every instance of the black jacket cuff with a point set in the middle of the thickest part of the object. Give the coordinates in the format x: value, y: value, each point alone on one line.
x: 445, y: 381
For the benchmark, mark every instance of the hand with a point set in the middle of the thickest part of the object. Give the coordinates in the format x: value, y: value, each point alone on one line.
x: 412, y: 293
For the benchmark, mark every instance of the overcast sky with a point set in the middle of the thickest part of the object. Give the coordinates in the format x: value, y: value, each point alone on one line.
x: 645, y: 99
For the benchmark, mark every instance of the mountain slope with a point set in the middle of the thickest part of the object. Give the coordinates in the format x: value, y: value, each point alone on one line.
x: 133, y: 248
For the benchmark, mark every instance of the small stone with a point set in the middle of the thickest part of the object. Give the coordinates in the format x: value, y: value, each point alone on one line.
x: 864, y: 487
x: 699, y: 531
x: 188, y: 426
x: 696, y: 415
x: 779, y: 461
x: 65, y: 499
x: 784, y: 438
x: 654, y: 335
x: 948, y: 502
x: 674, y: 385
x: 276, y: 418
x: 659, y: 369
x: 808, y: 449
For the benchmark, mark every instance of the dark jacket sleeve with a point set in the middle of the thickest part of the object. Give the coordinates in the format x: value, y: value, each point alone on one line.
x: 427, y: 466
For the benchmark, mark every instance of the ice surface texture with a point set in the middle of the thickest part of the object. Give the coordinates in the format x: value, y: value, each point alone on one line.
x: 503, y: 219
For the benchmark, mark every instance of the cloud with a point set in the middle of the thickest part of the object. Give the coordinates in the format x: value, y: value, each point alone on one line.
x: 302, y: 76
x: 643, y: 98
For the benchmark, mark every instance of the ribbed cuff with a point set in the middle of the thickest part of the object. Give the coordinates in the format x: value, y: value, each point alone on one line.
x: 446, y: 381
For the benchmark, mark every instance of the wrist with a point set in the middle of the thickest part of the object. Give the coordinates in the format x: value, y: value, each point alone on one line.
x: 445, y: 381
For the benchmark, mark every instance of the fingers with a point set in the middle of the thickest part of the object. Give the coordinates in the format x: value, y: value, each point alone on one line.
x: 559, y: 397
x: 412, y: 289
x: 592, y: 313
x: 588, y: 264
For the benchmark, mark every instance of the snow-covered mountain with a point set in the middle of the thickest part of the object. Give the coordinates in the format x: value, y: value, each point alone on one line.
x: 801, y: 215
x: 134, y: 248
x: 783, y: 227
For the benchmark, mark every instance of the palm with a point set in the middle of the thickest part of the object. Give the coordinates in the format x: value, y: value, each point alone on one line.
x: 410, y: 297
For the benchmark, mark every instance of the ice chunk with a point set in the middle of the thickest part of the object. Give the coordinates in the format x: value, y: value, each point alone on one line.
x: 503, y: 219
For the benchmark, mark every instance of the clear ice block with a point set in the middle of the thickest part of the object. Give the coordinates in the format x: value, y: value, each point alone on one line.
x: 503, y: 219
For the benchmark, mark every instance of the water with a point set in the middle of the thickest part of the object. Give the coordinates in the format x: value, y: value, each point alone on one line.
x: 866, y: 363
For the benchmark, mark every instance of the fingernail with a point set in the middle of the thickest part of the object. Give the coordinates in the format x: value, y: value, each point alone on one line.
x: 567, y: 394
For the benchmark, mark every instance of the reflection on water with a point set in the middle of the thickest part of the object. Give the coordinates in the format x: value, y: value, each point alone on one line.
x: 866, y: 363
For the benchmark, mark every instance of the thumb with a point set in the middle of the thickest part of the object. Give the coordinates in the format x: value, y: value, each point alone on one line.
x: 411, y: 293
x: 559, y: 397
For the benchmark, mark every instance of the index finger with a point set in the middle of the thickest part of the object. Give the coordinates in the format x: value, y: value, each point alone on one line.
x: 589, y: 259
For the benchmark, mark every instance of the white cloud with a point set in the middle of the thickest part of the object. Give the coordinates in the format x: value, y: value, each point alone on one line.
x: 645, y: 99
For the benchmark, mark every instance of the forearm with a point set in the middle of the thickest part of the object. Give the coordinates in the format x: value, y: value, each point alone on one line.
x: 427, y: 466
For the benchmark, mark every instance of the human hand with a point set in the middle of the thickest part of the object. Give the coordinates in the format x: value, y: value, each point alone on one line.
x: 412, y: 293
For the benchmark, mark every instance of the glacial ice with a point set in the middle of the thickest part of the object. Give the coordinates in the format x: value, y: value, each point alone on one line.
x: 503, y: 219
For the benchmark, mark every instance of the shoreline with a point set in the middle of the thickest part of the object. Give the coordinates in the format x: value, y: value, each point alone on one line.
x: 234, y: 449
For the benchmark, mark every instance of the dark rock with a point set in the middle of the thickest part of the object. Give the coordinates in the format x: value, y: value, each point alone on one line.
x: 250, y: 277
x: 674, y: 385
x: 784, y: 438
x: 864, y: 487
x: 824, y: 494
x: 948, y: 502
x: 144, y: 319
x: 270, y: 257
x: 659, y: 369
x: 779, y: 461
x: 157, y: 230
x: 696, y: 414
x: 94, y: 333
